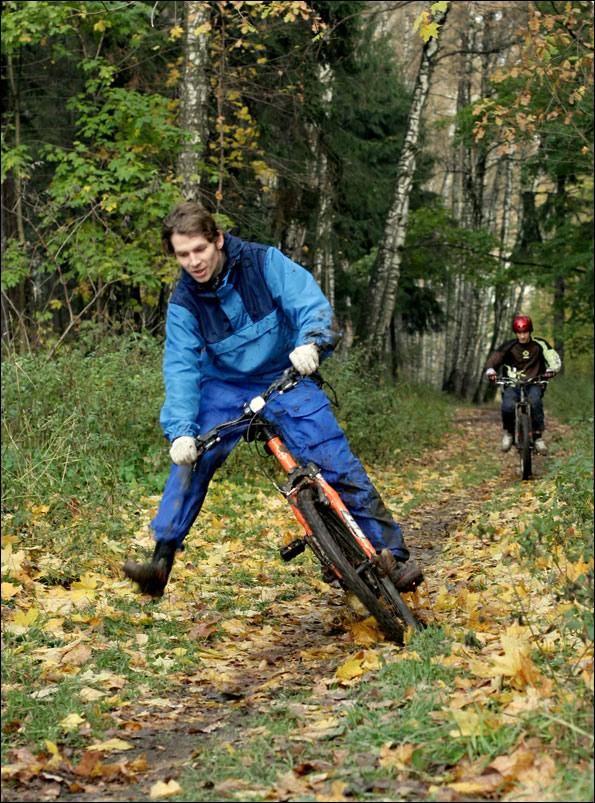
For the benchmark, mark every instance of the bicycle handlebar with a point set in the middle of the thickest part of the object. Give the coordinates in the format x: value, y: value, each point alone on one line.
x: 534, y: 380
x: 287, y: 381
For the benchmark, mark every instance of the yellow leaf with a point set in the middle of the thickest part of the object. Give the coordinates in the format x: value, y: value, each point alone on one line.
x: 179, y: 651
x: 9, y: 590
x: 88, y: 582
x: 12, y: 562
x: 25, y: 619
x: 52, y: 748
x: 395, y: 757
x: 468, y: 723
x: 349, y: 670
x: 428, y: 31
x: 363, y: 633
x: 369, y: 659
x: 161, y: 789
x: 476, y: 787
x: 90, y: 695
x: 330, y: 722
x: 112, y: 744
x: 71, y: 722
x: 40, y: 510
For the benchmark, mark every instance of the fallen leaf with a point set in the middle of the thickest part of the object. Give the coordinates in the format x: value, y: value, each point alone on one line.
x: 111, y: 744
x: 9, y: 590
x: 161, y: 789
x: 349, y: 670
x: 89, y: 695
x: 77, y: 656
x: 72, y: 722
x: 395, y: 757
x: 12, y: 562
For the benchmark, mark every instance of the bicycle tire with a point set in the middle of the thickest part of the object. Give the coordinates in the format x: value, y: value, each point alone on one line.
x: 331, y: 554
x: 525, y: 446
x: 382, y: 587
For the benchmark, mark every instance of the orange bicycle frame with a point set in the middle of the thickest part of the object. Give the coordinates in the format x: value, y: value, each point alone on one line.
x: 288, y: 464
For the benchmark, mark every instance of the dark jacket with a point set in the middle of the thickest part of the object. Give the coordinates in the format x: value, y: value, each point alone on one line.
x: 531, y: 359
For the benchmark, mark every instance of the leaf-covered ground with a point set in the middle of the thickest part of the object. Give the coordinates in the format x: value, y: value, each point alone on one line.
x: 254, y: 680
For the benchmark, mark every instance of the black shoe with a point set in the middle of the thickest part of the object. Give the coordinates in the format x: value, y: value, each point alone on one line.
x: 384, y: 562
x: 407, y: 576
x: 152, y: 577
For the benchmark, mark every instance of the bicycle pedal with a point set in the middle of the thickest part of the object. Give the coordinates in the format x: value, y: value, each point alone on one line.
x: 293, y: 549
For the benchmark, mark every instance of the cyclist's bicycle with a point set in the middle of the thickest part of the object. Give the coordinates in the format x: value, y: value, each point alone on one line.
x: 523, y: 426
x: 332, y: 534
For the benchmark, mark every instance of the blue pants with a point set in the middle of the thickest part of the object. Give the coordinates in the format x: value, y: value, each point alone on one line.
x: 312, y: 434
x: 511, y: 396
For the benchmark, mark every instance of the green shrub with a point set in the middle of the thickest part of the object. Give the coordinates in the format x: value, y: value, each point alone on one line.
x: 570, y: 399
x: 382, y: 419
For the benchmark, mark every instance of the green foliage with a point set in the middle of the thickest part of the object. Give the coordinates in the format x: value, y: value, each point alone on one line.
x: 384, y: 420
x: 564, y: 527
x: 541, y: 109
x: 82, y: 432
x: 565, y: 530
x: 570, y: 399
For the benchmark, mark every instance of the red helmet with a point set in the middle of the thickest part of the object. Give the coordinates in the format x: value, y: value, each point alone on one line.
x: 522, y: 323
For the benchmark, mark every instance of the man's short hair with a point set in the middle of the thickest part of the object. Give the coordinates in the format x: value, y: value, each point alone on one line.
x: 191, y: 219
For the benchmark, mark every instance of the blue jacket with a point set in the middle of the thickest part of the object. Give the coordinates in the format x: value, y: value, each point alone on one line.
x: 264, y: 307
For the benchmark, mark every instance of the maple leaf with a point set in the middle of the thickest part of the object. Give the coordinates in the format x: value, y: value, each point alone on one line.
x: 22, y: 621
x: 9, y: 590
x: 12, y: 562
x: 429, y: 31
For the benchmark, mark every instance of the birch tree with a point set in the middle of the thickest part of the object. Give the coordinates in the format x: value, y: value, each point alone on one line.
x: 380, y: 302
x: 194, y: 95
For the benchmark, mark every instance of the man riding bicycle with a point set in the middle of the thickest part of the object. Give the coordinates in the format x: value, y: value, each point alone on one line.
x: 528, y: 357
x: 240, y: 314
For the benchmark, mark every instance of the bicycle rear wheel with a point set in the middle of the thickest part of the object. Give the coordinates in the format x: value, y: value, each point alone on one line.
x: 336, y: 547
x: 524, y: 436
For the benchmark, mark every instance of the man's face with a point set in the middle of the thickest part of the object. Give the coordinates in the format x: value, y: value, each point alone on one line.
x: 523, y: 337
x: 199, y: 258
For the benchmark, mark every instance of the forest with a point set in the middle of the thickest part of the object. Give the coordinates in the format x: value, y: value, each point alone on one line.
x: 431, y: 165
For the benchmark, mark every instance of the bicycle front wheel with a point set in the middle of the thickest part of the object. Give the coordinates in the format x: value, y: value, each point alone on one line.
x: 524, y: 436
x: 337, y: 548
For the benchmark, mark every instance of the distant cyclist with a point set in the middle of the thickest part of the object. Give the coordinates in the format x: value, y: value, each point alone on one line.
x: 527, y: 357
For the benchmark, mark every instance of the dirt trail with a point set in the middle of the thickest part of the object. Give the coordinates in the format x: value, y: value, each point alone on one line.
x: 173, y: 732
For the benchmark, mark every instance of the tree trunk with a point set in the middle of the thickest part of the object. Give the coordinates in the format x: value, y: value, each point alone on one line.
x: 466, y: 299
x: 322, y: 258
x: 503, y: 293
x: 194, y: 96
x: 382, y: 288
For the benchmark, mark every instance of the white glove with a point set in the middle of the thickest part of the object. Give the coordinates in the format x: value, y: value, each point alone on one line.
x: 183, y: 451
x: 491, y: 374
x: 305, y: 359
